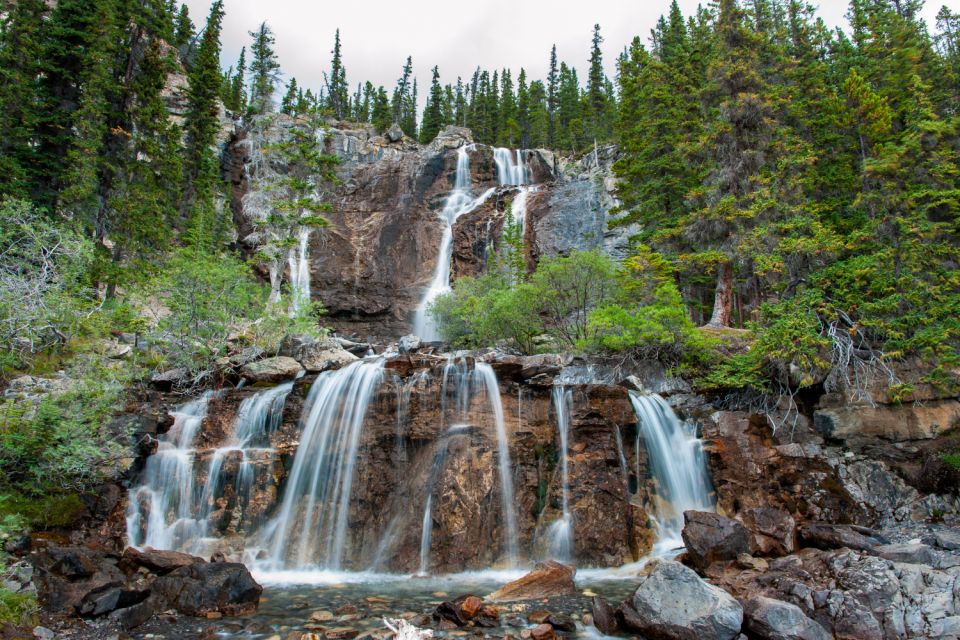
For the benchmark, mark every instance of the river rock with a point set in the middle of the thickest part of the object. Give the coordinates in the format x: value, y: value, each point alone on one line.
x: 769, y: 619
x: 604, y: 617
x: 202, y: 588
x: 315, y: 355
x: 827, y: 536
x: 159, y: 562
x: 543, y: 632
x: 772, y: 531
x: 272, y: 370
x: 674, y: 603
x: 710, y: 537
x: 548, y: 579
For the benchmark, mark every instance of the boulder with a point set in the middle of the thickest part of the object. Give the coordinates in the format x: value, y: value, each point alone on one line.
x: 908, y: 553
x: 543, y: 632
x: 272, y: 370
x: 674, y: 603
x: 822, y: 535
x: 945, y: 539
x: 548, y: 579
x: 772, y: 531
x: 167, y: 380
x: 769, y: 619
x: 409, y: 343
x: 315, y: 355
x: 604, y: 617
x: 159, y: 562
x: 202, y: 588
x: 394, y: 133
x: 710, y: 537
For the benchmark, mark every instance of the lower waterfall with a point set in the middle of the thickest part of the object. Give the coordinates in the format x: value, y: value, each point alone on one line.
x: 561, y: 531
x: 310, y: 528
x: 677, y: 464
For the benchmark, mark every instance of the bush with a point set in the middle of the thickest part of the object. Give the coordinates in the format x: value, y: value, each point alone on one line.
x: 44, y: 296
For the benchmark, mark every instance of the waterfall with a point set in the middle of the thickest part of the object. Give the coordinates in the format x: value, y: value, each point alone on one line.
x: 459, y: 202
x: 258, y: 417
x: 511, y: 169
x: 426, y: 531
x: 298, y: 259
x: 459, y: 388
x: 310, y: 528
x: 162, y: 512
x: 561, y: 531
x: 677, y: 463
x: 518, y: 209
x: 168, y: 511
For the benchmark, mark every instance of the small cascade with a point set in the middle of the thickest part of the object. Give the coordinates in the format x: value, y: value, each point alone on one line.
x: 677, y: 463
x: 511, y: 169
x: 162, y: 510
x: 298, y: 259
x: 310, y: 528
x: 258, y: 417
x: 426, y: 532
x: 459, y: 202
x: 518, y: 209
x: 460, y: 386
x: 561, y: 531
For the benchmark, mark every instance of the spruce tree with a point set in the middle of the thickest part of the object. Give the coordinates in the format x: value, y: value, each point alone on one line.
x: 237, y: 100
x: 201, y: 171
x: 433, y: 112
x: 597, y: 100
x: 288, y: 104
x: 553, y: 93
x: 264, y: 70
x: 337, y: 89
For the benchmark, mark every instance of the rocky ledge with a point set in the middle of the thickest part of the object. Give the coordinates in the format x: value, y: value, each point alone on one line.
x: 123, y: 591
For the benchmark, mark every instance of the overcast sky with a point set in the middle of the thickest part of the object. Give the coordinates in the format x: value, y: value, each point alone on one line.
x: 378, y: 35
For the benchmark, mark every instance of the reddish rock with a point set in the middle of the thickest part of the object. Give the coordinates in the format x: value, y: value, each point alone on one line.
x: 548, y: 579
x: 470, y: 606
x: 543, y: 632
x: 604, y: 617
x: 710, y: 537
x: 160, y: 562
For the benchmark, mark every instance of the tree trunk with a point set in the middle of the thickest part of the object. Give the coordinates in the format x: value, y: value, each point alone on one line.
x: 723, y: 297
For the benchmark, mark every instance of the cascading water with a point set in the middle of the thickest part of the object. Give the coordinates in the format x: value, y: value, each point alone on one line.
x: 519, y: 209
x: 168, y: 511
x: 511, y: 169
x: 677, y: 463
x: 459, y: 202
x: 162, y: 511
x: 310, y: 528
x: 258, y: 416
x: 298, y: 259
x: 426, y: 532
x: 561, y: 531
x: 461, y: 385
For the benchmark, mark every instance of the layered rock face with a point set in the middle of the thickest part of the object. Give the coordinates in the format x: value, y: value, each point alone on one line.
x: 372, y: 264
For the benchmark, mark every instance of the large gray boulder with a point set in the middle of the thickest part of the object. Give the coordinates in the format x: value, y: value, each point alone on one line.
x: 315, y: 355
x: 710, y: 537
x: 769, y: 619
x: 674, y: 603
x: 272, y: 370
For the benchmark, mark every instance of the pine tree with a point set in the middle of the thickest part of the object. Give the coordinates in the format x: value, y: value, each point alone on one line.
x: 237, y: 99
x: 20, y: 50
x: 288, y: 104
x: 553, y: 91
x: 597, y: 100
x: 401, y: 96
x: 183, y: 31
x: 523, y: 109
x: 200, y: 165
x: 508, y: 130
x: 433, y: 113
x: 264, y: 70
x: 337, y: 89
x: 381, y: 114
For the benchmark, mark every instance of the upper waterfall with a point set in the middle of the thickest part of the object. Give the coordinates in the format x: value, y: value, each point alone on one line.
x: 511, y: 168
x: 459, y: 202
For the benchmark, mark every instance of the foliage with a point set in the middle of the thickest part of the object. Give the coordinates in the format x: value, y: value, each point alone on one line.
x: 198, y: 300
x: 43, y: 299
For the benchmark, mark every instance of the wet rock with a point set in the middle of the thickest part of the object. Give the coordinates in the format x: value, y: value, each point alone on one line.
x: 341, y: 633
x: 543, y: 632
x: 673, y: 602
x: 201, y: 588
x: 450, y: 612
x: 769, y: 619
x: 772, y: 531
x: 272, y: 370
x: 604, y: 617
x: 159, y: 562
x: 321, y: 616
x: 315, y: 355
x: 470, y: 606
x: 710, y: 538
x: 409, y: 343
x: 822, y: 535
x: 548, y: 579
x: 561, y: 622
